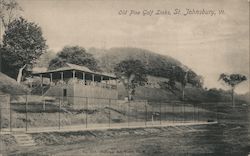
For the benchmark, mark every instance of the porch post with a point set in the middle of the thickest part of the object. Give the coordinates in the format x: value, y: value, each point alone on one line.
x: 74, y: 74
x: 83, y: 78
x: 41, y: 77
x: 116, y: 83
x: 62, y: 76
x: 93, y: 78
x: 110, y: 83
x: 51, y: 78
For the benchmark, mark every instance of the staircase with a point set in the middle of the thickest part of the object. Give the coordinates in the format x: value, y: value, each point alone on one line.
x: 23, y: 139
x: 39, y: 90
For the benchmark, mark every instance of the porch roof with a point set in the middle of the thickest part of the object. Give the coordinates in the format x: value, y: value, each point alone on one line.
x: 71, y: 67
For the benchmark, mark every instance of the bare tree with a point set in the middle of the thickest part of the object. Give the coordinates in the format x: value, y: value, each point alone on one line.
x: 9, y: 11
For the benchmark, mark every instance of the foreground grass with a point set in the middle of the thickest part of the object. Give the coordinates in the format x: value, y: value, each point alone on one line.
x: 207, y: 140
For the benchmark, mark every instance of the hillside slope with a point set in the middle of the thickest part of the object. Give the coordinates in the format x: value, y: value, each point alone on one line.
x: 108, y: 58
x: 10, y: 86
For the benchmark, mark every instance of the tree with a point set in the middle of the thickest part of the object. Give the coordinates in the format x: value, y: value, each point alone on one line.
x: 9, y: 10
x: 232, y: 80
x: 183, y: 81
x: 23, y: 43
x: 132, y: 73
x: 185, y: 75
x: 180, y: 74
x: 75, y: 55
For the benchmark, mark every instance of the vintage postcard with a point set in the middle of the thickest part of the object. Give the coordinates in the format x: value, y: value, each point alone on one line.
x: 113, y: 77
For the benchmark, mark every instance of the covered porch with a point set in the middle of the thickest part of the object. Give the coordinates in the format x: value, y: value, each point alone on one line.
x: 80, y: 75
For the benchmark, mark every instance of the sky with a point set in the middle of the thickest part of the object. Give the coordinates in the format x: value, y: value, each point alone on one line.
x: 209, y: 44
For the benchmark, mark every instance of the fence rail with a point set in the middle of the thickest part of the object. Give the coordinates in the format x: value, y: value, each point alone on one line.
x: 33, y: 111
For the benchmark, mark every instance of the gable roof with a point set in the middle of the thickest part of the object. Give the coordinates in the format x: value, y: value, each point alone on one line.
x: 81, y: 68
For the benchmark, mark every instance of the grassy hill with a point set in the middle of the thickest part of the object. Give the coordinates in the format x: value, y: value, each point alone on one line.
x: 154, y: 92
x: 108, y: 58
x: 156, y: 65
x: 10, y: 86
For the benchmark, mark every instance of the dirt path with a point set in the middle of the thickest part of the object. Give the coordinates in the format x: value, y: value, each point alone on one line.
x: 206, y: 140
x: 73, y: 128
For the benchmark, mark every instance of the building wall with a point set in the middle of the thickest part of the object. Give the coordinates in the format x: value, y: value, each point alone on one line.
x: 57, y: 91
x: 95, y: 95
x: 77, y: 94
x: 94, y: 92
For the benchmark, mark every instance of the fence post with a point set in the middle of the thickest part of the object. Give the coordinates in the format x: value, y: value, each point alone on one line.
x: 184, y: 112
x: 152, y: 115
x: 44, y: 103
x: 165, y: 112
x: 160, y: 113
x: 59, y: 120
x: 136, y: 114
x: 193, y: 112
x: 146, y: 113
x: 10, y: 119
x: 216, y: 112
x: 198, y: 113
x: 173, y: 111
x: 87, y: 112
x: 109, y: 112
x: 128, y: 111
x: 26, y: 113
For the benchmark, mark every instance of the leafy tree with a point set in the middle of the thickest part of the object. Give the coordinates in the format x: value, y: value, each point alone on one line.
x: 183, y: 81
x: 194, y: 79
x: 75, y: 55
x: 23, y: 43
x: 214, y: 95
x: 184, y: 76
x: 232, y: 80
x: 9, y: 10
x: 132, y: 73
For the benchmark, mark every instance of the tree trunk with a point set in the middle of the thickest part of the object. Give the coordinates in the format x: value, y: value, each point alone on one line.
x: 183, y: 92
x: 129, y: 94
x: 20, y: 74
x: 233, y: 97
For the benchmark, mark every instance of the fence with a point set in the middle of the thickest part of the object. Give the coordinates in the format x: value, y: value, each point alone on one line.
x: 27, y: 112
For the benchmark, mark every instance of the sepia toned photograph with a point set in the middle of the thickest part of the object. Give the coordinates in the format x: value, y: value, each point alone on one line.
x: 124, y: 78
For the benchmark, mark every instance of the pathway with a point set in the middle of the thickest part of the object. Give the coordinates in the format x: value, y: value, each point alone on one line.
x: 131, y: 125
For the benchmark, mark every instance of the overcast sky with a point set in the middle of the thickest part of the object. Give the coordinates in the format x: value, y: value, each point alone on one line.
x: 209, y: 44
